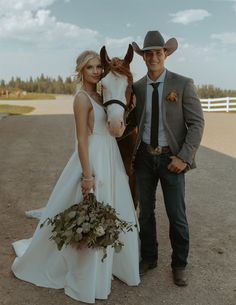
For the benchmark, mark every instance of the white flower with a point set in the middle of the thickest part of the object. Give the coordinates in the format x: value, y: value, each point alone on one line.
x: 99, y: 231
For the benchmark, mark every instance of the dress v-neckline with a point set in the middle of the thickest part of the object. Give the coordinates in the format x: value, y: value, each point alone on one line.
x: 100, y: 105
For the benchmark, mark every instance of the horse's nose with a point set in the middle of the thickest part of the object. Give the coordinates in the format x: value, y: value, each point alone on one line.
x: 121, y: 124
x: 116, y: 129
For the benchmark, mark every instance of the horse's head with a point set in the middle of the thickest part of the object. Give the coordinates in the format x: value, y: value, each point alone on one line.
x: 116, y: 89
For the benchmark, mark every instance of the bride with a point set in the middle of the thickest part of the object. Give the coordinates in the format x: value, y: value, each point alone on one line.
x: 96, y: 164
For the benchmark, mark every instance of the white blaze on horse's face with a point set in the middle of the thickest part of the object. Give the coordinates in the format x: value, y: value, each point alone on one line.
x: 114, y: 88
x: 115, y: 84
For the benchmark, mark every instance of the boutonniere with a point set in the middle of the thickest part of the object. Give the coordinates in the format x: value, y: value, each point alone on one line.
x: 172, y: 96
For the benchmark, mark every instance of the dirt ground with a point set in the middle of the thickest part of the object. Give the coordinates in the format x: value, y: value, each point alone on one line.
x: 33, y: 151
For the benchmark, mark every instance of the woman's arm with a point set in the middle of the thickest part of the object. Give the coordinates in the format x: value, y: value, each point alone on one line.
x: 82, y: 107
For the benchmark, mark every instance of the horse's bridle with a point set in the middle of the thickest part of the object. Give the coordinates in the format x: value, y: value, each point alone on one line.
x: 110, y: 102
x: 117, y: 102
x: 126, y: 108
x: 113, y: 101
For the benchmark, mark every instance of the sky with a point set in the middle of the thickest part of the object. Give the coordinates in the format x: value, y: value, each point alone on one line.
x: 46, y: 36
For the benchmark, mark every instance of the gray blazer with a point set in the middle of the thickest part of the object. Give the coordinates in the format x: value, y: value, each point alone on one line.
x: 183, y: 119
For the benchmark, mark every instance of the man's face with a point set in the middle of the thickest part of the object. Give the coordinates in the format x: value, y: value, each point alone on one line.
x: 155, y: 59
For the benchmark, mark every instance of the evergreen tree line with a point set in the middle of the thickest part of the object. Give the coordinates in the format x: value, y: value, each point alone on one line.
x: 40, y: 84
x: 209, y: 91
x: 59, y: 85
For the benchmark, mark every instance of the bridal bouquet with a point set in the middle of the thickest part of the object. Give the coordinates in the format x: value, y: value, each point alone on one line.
x: 89, y: 224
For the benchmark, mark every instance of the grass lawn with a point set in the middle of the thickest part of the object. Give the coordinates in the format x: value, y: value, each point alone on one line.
x: 13, y: 109
x: 30, y: 96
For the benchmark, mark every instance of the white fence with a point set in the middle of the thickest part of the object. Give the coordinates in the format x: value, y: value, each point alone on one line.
x: 219, y: 104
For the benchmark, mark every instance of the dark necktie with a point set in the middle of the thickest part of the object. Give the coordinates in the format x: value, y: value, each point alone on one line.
x: 155, y: 116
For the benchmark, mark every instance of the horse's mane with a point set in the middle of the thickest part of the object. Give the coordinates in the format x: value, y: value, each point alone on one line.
x: 118, y: 65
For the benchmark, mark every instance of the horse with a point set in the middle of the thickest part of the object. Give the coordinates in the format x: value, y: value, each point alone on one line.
x: 117, y: 96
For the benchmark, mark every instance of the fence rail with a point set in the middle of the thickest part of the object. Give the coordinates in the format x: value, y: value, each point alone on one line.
x: 219, y: 104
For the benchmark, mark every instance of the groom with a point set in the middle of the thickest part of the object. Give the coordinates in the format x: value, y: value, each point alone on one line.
x: 170, y: 125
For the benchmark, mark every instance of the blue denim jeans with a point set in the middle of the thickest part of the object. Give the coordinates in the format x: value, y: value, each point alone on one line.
x: 149, y: 169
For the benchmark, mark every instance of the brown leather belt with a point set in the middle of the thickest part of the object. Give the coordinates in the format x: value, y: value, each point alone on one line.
x: 156, y: 151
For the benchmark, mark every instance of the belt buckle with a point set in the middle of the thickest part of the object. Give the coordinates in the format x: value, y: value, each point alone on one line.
x: 154, y: 151
x: 158, y: 150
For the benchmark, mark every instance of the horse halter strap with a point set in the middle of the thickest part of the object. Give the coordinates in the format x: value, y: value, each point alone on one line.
x: 110, y: 102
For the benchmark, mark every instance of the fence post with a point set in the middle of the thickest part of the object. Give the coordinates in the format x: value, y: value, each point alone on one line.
x: 227, y: 104
x: 209, y: 105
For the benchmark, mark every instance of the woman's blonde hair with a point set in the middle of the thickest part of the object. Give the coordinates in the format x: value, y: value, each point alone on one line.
x: 81, y: 62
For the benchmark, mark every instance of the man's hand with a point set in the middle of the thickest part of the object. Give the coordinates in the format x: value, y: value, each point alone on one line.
x: 176, y: 165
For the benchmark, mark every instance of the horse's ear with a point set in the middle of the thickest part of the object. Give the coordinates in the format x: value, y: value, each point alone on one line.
x: 104, y: 57
x: 129, y: 55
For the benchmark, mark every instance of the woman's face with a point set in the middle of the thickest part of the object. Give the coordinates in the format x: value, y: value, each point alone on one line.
x: 92, y: 71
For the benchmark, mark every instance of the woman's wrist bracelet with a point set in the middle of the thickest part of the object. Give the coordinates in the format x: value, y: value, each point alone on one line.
x: 87, y: 179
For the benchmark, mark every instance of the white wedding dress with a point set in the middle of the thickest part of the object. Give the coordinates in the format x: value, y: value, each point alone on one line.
x: 80, y: 272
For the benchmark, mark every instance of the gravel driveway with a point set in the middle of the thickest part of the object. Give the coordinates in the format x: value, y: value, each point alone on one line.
x: 33, y: 151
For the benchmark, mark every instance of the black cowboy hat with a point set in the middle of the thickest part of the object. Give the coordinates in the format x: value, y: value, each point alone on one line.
x: 154, y: 41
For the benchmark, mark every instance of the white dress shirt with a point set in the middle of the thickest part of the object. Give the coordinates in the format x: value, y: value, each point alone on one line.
x: 162, y: 139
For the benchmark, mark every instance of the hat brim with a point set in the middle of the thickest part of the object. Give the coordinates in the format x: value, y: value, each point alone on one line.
x: 171, y: 46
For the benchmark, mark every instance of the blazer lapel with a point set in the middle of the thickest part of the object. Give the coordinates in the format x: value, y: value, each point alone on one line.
x: 141, y: 99
x: 166, y: 89
x: 143, y: 91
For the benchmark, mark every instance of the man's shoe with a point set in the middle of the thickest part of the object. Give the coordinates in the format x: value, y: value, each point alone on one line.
x: 179, y: 277
x: 144, y: 266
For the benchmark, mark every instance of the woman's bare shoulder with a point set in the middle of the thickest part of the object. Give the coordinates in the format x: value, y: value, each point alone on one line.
x: 81, y: 100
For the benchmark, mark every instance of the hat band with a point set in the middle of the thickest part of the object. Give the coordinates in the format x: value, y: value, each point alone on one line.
x: 152, y: 48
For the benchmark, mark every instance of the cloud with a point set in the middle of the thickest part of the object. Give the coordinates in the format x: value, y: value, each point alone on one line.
x: 223, y: 0
x: 129, y: 25
x: 189, y: 16
x: 191, y: 53
x: 118, y: 42
x: 27, y: 24
x: 225, y: 38
x: 16, y: 6
x: 234, y: 5
x: 117, y: 46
